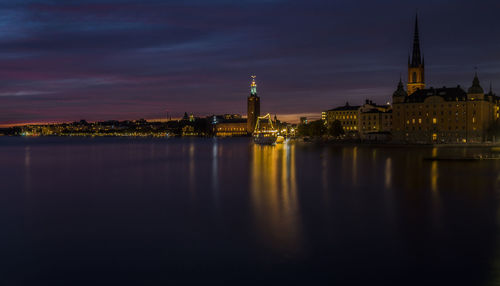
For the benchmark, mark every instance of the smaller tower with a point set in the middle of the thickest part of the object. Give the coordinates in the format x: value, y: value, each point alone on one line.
x: 399, y: 95
x: 416, y: 66
x: 475, y: 92
x: 253, y: 106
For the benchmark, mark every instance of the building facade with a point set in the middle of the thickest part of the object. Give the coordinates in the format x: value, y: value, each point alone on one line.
x: 253, y: 107
x: 231, y: 128
x: 347, y: 115
x: 440, y: 115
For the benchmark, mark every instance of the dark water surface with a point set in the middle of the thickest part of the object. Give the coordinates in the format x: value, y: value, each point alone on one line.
x: 112, y: 211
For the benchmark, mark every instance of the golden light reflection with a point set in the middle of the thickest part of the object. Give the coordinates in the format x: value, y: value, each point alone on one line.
x: 388, y: 173
x: 434, y: 172
x: 434, y: 176
x: 274, y: 196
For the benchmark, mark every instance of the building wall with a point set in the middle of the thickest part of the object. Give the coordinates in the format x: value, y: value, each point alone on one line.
x: 231, y: 129
x: 438, y: 121
x: 348, y: 118
x: 374, y: 122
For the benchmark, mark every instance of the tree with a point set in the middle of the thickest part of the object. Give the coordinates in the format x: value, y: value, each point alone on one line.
x: 303, y: 130
x: 314, y: 129
x: 317, y: 128
x: 335, y: 129
x: 493, y: 132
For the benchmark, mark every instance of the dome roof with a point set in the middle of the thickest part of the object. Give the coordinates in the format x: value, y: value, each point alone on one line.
x: 476, y: 87
x: 401, y: 90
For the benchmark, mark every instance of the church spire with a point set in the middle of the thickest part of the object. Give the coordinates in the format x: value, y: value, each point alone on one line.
x: 416, y: 70
x: 416, y: 59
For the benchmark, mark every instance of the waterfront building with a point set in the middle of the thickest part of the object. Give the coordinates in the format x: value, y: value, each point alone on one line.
x: 347, y: 115
x: 375, y: 121
x: 253, y: 107
x: 235, y: 127
x: 228, y: 125
x: 440, y: 115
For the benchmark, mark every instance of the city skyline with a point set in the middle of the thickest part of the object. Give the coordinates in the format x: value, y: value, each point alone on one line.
x: 125, y: 60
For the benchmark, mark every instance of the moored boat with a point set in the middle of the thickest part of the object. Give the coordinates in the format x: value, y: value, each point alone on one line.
x: 264, y: 139
x: 280, y: 139
x: 264, y: 132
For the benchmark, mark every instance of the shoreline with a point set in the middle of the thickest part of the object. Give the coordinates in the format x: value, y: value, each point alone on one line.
x: 295, y: 140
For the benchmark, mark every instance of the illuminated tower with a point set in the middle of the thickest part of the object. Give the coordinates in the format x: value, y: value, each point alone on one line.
x: 253, y: 106
x: 416, y: 79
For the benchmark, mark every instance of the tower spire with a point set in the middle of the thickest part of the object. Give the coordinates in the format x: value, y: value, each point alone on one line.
x: 253, y: 86
x: 416, y: 58
x: 416, y: 72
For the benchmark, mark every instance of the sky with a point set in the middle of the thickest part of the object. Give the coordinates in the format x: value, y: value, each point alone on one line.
x: 106, y: 59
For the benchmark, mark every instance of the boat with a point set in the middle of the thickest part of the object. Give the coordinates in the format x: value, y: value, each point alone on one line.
x: 264, y: 139
x: 280, y: 139
x: 264, y: 132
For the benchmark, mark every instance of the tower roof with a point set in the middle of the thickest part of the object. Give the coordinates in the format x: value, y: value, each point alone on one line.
x: 416, y: 59
x: 476, y: 87
x: 400, y: 91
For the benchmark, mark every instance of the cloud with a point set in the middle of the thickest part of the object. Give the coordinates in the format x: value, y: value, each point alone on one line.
x: 129, y: 59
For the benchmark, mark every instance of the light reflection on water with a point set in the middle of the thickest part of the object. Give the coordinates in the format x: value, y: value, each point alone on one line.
x: 326, y: 211
x: 274, y: 195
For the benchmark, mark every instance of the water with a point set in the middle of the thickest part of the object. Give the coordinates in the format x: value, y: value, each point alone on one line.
x: 119, y: 211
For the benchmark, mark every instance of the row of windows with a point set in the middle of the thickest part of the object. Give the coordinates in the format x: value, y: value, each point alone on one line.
x: 230, y: 129
x: 386, y: 123
x: 433, y: 106
x: 434, y: 120
x: 449, y: 128
x: 434, y: 113
x: 348, y: 122
x: 350, y: 127
x: 346, y: 117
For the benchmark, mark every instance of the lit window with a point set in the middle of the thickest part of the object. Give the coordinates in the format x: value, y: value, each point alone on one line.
x: 473, y: 119
x: 420, y: 121
x: 413, y: 121
x: 434, y: 121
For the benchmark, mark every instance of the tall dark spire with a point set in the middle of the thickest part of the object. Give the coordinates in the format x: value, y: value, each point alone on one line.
x: 416, y: 59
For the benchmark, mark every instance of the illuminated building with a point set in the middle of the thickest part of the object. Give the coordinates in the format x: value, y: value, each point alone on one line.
x: 323, y: 117
x: 369, y: 118
x: 347, y: 115
x: 440, y: 115
x: 231, y: 129
x: 229, y: 125
x: 375, y: 121
x: 253, y: 107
